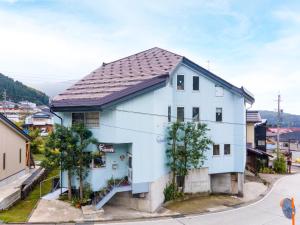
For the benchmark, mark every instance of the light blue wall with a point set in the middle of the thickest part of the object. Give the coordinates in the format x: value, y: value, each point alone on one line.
x: 146, y: 133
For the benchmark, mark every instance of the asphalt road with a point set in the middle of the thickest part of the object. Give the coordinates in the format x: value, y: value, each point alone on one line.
x: 267, y: 211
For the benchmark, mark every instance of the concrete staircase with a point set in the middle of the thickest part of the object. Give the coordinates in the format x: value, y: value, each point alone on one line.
x: 107, y: 193
x: 12, y: 195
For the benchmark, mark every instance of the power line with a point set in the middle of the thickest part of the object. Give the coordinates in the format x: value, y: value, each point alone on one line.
x: 186, y: 118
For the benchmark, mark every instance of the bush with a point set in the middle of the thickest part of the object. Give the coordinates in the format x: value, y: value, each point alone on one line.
x: 171, y: 192
x: 280, y: 165
x: 266, y: 170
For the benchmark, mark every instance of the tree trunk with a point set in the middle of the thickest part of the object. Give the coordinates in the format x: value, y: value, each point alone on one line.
x: 69, y: 185
x: 80, y: 184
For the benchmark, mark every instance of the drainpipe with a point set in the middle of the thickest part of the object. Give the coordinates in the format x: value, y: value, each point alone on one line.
x: 61, y: 123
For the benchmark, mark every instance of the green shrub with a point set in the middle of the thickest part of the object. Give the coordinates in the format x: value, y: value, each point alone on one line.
x: 266, y: 170
x: 171, y: 192
x: 280, y: 165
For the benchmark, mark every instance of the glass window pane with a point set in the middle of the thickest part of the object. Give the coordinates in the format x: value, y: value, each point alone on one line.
x: 92, y: 119
x: 227, y: 149
x: 180, y: 82
x: 180, y: 114
x: 195, y: 83
x: 77, y: 118
x: 219, y: 115
x: 216, y: 149
x: 196, y: 116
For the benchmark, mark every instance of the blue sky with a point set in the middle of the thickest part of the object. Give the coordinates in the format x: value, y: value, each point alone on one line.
x: 251, y: 43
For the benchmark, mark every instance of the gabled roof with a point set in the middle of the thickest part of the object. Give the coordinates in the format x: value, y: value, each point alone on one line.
x: 253, y: 117
x: 127, y: 77
x: 14, y: 127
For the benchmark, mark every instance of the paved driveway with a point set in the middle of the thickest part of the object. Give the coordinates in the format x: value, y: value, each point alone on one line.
x: 265, y: 212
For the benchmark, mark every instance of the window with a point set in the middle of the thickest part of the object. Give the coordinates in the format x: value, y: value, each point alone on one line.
x: 263, y: 143
x: 216, y: 149
x: 4, y: 160
x: 219, y: 115
x: 77, y: 118
x: 180, y: 114
x: 92, y: 119
x: 20, y: 155
x: 196, y: 116
x: 180, y: 82
x: 227, y: 149
x: 89, y: 119
x: 219, y: 91
x: 195, y: 83
x: 99, y: 160
x: 169, y: 113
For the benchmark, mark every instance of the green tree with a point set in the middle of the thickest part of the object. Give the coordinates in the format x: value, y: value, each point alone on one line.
x: 37, y: 143
x: 60, y: 150
x: 84, y: 138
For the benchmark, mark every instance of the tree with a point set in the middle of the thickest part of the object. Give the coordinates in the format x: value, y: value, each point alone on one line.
x: 172, y: 143
x: 37, y: 143
x: 84, y: 138
x: 60, y: 150
x: 187, y: 144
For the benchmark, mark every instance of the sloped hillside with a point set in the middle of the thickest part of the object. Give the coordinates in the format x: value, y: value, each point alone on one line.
x: 16, y: 91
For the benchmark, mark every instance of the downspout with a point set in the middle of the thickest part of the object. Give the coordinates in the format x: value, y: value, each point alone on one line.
x: 61, y: 123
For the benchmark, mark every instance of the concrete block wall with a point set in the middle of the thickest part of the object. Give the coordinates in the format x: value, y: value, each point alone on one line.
x: 197, y: 181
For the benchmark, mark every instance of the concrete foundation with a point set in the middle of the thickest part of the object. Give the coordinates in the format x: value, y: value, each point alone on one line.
x: 227, y: 183
x: 148, y: 202
x: 197, y: 181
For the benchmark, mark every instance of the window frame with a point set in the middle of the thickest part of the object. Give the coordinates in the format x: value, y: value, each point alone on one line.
x: 181, y: 75
x: 177, y: 113
x: 198, y: 83
x: 198, y: 120
x: 219, y: 151
x: 85, y: 119
x: 216, y: 92
x: 217, y: 120
x: 169, y: 113
x: 225, y: 153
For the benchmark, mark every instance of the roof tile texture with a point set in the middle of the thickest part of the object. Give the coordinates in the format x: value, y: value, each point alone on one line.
x: 122, y: 74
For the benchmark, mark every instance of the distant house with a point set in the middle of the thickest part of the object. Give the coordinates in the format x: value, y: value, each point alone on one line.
x: 40, y: 120
x: 129, y: 103
x: 257, y: 155
x: 290, y: 141
x: 14, y: 151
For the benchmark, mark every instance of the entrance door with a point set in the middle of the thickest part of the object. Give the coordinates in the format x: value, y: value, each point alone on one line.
x: 130, y: 168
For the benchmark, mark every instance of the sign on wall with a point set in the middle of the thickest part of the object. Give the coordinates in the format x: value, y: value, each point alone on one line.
x: 106, y: 148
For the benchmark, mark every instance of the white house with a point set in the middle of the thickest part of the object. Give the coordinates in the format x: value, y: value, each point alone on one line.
x: 128, y: 104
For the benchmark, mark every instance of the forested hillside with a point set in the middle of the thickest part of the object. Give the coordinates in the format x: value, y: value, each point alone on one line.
x: 287, y: 120
x: 16, y: 91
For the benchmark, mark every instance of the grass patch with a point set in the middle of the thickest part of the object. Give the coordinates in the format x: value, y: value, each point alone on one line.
x: 38, y: 157
x: 21, y: 211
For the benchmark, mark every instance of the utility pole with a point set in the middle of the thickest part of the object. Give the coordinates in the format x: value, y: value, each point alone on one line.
x: 278, y: 123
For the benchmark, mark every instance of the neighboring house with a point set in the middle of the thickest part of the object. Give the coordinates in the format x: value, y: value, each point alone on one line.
x: 290, y: 141
x: 14, y: 151
x: 129, y: 103
x: 257, y: 155
x: 40, y: 120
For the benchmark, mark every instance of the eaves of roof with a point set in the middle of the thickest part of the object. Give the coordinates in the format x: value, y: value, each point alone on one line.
x: 14, y: 127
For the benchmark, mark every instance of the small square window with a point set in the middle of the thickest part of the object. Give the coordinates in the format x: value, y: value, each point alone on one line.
x: 262, y: 143
x: 180, y: 114
x: 216, y: 149
x: 196, y: 114
x: 219, y: 91
x: 227, y: 149
x: 195, y: 83
x: 169, y: 113
x: 92, y: 119
x: 77, y: 118
x: 219, y: 115
x: 180, y: 82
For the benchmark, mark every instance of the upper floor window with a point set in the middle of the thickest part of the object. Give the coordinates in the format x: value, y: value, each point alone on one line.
x: 219, y: 115
x: 226, y: 149
x: 219, y: 91
x: 196, y: 114
x: 180, y: 114
x: 216, y: 149
x: 195, y: 83
x: 169, y: 113
x: 89, y: 119
x: 180, y: 82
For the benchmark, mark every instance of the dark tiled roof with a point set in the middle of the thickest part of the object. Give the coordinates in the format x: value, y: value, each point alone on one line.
x: 292, y: 136
x: 253, y: 117
x: 14, y: 127
x: 120, y: 75
x: 127, y: 77
x: 258, y: 152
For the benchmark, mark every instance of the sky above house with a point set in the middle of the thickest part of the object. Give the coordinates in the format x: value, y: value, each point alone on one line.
x: 255, y: 44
